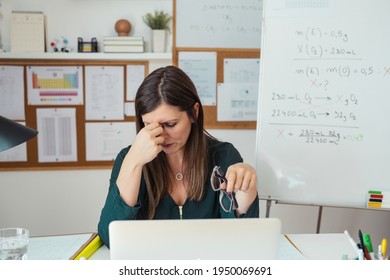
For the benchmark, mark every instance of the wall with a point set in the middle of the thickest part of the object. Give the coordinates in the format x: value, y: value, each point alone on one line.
x: 85, y: 18
x: 69, y: 201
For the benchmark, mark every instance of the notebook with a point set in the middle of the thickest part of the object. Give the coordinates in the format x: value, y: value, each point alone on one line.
x: 204, y: 239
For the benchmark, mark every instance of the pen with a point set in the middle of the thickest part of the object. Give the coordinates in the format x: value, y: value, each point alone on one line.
x: 380, y: 252
x: 384, y: 247
x: 360, y: 252
x: 364, y: 248
x: 353, y: 243
x: 368, y: 244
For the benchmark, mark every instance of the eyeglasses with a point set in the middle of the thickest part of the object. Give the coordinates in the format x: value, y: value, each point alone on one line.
x: 227, y: 200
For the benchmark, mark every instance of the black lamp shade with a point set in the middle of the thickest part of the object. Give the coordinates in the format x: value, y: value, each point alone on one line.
x: 13, y: 133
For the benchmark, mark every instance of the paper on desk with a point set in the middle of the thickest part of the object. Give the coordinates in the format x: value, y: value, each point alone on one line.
x: 60, y: 247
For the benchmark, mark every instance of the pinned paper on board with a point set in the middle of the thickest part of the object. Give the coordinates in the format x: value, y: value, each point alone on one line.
x: 201, y: 67
x: 57, y: 134
x: 135, y: 74
x: 104, y: 92
x: 104, y: 140
x: 237, y: 101
x: 54, y: 85
x: 12, y: 92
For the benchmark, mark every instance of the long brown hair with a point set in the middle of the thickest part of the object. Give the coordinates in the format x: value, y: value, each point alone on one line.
x: 171, y: 86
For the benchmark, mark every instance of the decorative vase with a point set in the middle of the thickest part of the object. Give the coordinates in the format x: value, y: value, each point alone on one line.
x: 123, y: 27
x: 158, y: 40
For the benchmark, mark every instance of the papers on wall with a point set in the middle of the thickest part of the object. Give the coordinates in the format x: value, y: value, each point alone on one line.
x: 237, y: 102
x: 12, y: 92
x: 27, y: 32
x: 237, y: 96
x: 104, y: 92
x: 135, y: 75
x: 129, y: 109
x: 18, y: 153
x: 57, y: 134
x: 241, y: 70
x: 55, y: 85
x: 105, y: 140
x: 201, y: 67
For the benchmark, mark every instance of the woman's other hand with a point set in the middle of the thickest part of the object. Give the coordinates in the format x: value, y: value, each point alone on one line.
x: 242, y: 180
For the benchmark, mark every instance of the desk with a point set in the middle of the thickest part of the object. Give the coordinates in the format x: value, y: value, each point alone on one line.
x: 323, y: 246
x: 292, y: 247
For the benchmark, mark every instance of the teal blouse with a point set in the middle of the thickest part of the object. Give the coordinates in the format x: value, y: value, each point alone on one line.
x: 220, y: 153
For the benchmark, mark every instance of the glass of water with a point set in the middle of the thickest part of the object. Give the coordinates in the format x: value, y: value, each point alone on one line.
x: 13, y: 243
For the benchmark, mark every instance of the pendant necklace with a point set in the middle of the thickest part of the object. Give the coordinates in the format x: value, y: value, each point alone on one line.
x: 179, y: 176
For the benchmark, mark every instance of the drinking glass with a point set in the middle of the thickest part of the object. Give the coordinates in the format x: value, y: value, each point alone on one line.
x: 13, y: 243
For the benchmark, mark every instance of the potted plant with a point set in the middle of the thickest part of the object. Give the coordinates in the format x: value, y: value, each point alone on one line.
x: 159, y: 23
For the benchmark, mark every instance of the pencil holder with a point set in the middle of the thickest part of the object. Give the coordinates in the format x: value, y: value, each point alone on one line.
x: 91, y: 46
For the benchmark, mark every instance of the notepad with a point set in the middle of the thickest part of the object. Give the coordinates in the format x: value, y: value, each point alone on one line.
x: 62, y: 247
x: 27, y: 32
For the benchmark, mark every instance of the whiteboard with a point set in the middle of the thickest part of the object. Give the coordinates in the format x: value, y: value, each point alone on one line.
x: 218, y: 23
x: 324, y: 101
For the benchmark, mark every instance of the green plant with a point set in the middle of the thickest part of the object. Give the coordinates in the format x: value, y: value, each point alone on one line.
x: 157, y: 20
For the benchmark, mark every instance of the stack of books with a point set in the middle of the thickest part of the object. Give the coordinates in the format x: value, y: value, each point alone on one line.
x: 123, y: 44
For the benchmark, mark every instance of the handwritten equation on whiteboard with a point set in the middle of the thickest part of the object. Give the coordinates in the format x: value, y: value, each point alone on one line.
x: 326, y: 88
x: 218, y: 23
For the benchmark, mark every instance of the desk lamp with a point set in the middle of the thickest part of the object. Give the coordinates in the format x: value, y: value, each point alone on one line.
x: 13, y: 133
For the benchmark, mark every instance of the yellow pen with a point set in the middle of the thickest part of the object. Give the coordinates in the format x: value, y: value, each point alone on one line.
x: 384, y: 247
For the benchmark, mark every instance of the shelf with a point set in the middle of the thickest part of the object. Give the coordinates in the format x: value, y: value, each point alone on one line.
x: 88, y: 56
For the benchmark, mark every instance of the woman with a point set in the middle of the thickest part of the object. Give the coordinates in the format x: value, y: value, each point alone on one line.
x: 174, y: 168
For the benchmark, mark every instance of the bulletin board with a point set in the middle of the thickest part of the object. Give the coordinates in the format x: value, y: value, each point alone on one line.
x: 81, y: 122
x: 230, y: 28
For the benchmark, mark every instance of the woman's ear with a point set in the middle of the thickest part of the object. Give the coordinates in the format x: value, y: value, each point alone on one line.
x: 196, y: 109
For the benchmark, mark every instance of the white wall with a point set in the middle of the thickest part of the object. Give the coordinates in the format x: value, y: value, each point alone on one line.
x: 85, y: 18
x: 68, y: 201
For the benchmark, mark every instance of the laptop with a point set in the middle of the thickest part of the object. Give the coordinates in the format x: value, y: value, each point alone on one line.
x: 198, y: 239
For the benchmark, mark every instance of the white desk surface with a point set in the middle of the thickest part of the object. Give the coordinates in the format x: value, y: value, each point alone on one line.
x: 330, y: 246
x: 294, y: 247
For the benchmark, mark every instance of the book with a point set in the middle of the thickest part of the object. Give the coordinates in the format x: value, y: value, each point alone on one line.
x: 123, y: 38
x: 118, y: 42
x: 90, y: 247
x: 63, y: 247
x: 123, y: 48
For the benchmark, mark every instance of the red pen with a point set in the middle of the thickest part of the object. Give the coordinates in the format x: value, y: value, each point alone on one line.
x: 366, y: 253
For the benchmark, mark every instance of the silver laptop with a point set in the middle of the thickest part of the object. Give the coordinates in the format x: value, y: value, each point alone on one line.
x: 206, y: 239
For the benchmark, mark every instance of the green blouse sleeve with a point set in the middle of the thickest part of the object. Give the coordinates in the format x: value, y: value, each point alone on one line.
x: 115, y: 207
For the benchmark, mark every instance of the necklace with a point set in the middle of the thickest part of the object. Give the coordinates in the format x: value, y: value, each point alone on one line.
x: 179, y: 176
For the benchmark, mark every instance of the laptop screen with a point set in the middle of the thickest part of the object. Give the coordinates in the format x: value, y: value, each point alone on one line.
x: 207, y: 239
